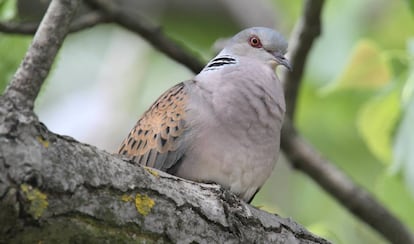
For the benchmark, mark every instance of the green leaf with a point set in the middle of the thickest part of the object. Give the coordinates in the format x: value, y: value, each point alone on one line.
x: 367, y: 68
x: 404, y: 140
x: 408, y: 89
x: 411, y: 5
x: 404, y: 147
x: 399, y: 62
x: 376, y: 122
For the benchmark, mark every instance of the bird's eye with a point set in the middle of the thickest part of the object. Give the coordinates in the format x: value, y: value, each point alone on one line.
x: 254, y: 41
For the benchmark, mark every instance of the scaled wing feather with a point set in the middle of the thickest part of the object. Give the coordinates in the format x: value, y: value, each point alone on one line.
x: 158, y: 137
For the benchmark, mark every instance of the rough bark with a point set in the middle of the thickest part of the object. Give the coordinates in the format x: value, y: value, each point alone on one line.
x: 56, y: 190
x: 50, y: 183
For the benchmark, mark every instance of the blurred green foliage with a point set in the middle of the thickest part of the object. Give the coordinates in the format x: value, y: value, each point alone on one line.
x: 356, y: 103
x: 12, y: 47
x: 7, y: 9
x: 361, y: 110
x: 12, y: 50
x: 411, y: 4
x: 357, y: 108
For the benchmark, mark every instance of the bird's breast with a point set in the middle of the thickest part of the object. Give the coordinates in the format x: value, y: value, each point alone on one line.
x: 236, y: 133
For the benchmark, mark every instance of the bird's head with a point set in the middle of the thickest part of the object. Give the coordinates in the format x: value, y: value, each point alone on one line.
x: 260, y: 43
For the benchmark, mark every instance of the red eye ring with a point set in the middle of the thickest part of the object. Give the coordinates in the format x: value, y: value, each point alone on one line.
x: 254, y: 41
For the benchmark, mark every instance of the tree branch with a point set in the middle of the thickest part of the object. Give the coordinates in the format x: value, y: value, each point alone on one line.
x: 83, y: 22
x: 330, y: 178
x: 132, y: 21
x: 307, y: 29
x: 35, y: 66
x: 27, y: 81
x: 89, y: 20
x: 50, y: 183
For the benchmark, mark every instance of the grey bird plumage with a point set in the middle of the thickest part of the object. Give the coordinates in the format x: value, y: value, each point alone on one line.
x: 222, y: 126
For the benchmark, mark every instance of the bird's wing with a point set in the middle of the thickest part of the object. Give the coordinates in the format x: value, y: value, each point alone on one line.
x: 157, y: 140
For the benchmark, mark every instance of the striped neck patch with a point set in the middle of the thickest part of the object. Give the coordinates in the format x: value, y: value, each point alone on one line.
x: 219, y: 62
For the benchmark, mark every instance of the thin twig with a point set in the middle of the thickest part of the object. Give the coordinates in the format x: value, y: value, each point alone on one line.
x: 306, y: 31
x: 33, y: 70
x: 18, y: 28
x: 132, y: 21
x: 88, y: 20
x: 302, y: 155
x: 83, y: 22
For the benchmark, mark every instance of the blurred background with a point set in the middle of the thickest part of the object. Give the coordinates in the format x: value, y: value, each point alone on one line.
x: 356, y: 104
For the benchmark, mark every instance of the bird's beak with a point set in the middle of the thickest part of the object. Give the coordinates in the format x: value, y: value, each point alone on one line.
x: 281, y: 59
